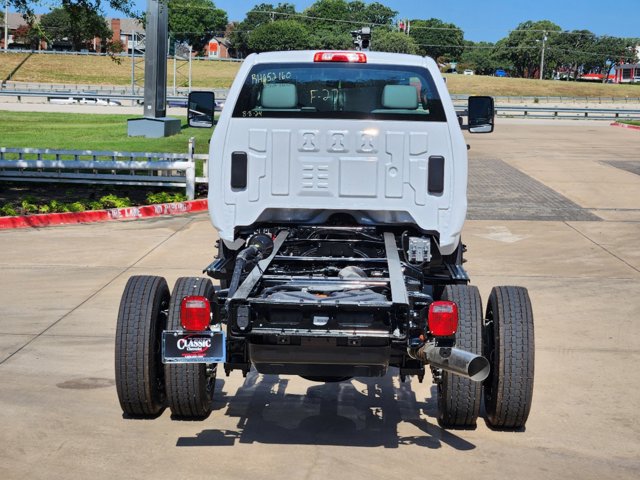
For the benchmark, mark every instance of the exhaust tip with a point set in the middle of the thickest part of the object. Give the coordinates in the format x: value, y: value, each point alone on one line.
x: 479, y: 369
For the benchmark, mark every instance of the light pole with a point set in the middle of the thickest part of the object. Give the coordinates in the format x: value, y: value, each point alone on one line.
x: 6, y: 25
x: 544, y: 43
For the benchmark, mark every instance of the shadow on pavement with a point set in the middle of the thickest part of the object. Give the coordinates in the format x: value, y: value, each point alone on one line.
x: 363, y: 413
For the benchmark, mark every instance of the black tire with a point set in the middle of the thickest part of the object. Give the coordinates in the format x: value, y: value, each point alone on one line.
x: 459, y: 397
x: 139, y: 369
x: 189, y: 386
x: 509, y: 346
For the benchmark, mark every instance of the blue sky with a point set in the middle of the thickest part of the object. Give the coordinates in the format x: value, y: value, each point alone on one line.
x: 490, y: 20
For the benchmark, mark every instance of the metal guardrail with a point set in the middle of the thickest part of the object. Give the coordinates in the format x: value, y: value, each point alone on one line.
x: 528, y: 100
x: 96, y: 54
x: 526, y: 111
x: 75, y: 97
x: 103, y: 167
x: 72, y: 89
x: 529, y: 111
x: 566, y: 112
x: 75, y: 89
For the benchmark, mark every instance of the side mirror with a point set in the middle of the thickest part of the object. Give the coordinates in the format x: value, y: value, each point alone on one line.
x: 200, y: 108
x: 481, y: 114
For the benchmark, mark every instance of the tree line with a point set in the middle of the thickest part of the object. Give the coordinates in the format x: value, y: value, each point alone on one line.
x: 328, y: 24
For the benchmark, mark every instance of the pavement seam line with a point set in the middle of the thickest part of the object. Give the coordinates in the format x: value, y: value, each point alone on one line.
x: 94, y: 294
x: 602, y: 247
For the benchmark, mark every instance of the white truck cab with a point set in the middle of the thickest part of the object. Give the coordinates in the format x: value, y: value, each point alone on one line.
x: 305, y: 135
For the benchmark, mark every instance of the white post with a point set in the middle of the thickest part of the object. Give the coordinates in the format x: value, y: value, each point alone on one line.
x: 190, y: 173
x: 190, y: 55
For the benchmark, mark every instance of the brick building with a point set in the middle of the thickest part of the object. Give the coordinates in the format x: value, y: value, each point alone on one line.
x: 217, y: 48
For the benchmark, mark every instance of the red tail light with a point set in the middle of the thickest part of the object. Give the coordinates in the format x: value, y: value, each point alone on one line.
x: 195, y: 313
x: 345, y: 57
x: 443, y: 318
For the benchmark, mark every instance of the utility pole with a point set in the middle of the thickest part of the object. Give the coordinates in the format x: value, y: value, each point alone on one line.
x: 544, y: 43
x: 6, y: 25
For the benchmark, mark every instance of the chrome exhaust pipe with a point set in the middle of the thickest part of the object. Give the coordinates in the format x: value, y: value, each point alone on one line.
x: 454, y: 360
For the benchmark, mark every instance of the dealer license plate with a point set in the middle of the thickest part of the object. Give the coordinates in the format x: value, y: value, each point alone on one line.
x: 189, y: 347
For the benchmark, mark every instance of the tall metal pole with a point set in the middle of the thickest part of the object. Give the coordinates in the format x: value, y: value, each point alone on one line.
x: 134, y: 42
x: 6, y: 25
x: 544, y: 42
x: 155, y: 123
x: 155, y: 60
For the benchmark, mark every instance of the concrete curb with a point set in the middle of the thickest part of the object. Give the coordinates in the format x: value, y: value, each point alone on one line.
x: 625, y: 125
x: 129, y: 213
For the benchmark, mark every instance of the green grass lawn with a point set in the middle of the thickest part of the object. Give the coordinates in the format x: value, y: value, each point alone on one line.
x: 78, y: 131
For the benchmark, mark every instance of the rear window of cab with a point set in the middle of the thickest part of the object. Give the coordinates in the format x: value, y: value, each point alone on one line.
x: 340, y: 91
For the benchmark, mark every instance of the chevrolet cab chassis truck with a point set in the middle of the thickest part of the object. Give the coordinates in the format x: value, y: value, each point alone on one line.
x: 338, y: 189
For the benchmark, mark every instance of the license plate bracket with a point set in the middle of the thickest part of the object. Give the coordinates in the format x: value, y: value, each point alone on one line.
x: 179, y: 346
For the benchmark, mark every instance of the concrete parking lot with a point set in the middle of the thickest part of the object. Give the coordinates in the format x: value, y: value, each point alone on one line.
x: 554, y: 207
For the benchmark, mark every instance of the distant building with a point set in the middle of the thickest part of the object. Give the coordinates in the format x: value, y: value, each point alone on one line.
x: 217, y: 48
x: 16, y: 23
x: 627, y: 73
x: 127, y: 30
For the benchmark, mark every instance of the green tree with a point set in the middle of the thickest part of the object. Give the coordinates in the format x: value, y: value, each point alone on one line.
x: 76, y: 24
x: 341, y: 17
x: 388, y: 41
x: 331, y: 21
x: 611, y: 51
x: 279, y: 35
x: 329, y: 15
x: 259, y: 15
x: 374, y: 13
x: 574, y: 51
x: 436, y: 38
x: 127, y: 7
x: 330, y: 40
x: 479, y: 57
x: 27, y: 35
x: 523, y: 47
x: 195, y: 21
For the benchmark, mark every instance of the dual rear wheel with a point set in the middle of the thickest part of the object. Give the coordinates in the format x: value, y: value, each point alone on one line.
x: 145, y: 386
x: 505, y: 337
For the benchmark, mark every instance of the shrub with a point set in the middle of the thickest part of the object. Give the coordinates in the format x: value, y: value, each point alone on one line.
x: 165, y: 197
x: 113, y: 201
x: 8, y: 211
x: 57, y: 207
x: 76, y: 207
x: 28, y: 207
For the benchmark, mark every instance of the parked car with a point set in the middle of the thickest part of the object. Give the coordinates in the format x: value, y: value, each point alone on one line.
x: 500, y: 73
x: 469, y: 72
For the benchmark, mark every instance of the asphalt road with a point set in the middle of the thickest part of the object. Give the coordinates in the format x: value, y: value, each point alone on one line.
x: 570, y: 236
